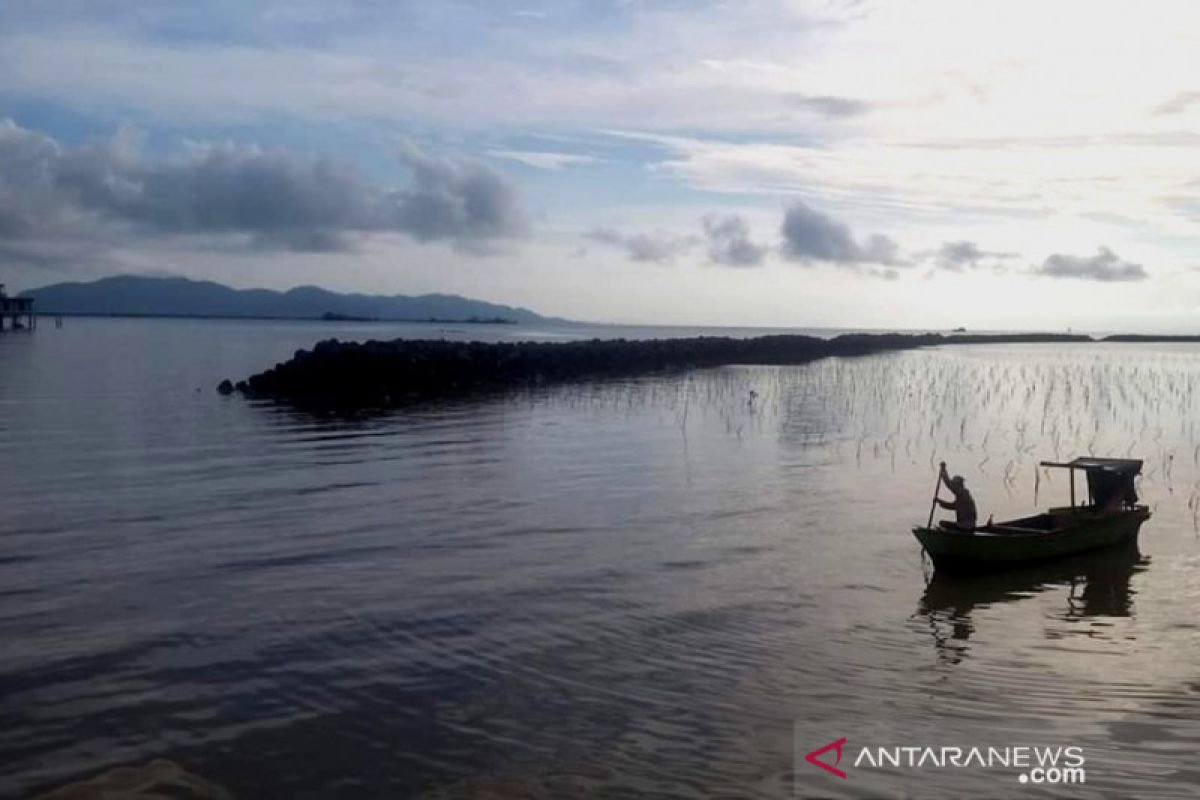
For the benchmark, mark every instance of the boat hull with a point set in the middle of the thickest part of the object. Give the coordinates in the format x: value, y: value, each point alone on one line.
x: 999, y: 547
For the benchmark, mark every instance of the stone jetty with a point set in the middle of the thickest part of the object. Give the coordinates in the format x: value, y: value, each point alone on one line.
x: 349, y: 375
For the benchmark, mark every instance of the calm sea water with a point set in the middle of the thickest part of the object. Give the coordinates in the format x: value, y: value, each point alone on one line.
x: 665, y: 586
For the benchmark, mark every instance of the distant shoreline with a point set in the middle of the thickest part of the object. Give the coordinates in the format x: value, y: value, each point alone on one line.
x: 135, y: 296
x: 268, y: 318
x: 1149, y: 338
x: 1031, y: 337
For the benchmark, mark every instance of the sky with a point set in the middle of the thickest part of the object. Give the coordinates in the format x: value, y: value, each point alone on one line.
x: 911, y: 164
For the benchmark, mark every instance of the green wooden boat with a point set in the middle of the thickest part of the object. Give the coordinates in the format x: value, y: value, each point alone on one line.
x: 1110, y: 517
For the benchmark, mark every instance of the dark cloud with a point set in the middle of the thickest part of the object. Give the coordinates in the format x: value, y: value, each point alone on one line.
x: 29, y: 198
x: 727, y: 239
x: 829, y: 106
x: 657, y: 247
x: 1105, y: 266
x: 315, y: 240
x: 963, y: 255
x: 1178, y: 104
x: 810, y: 236
x: 729, y: 242
x: 279, y: 200
x: 462, y: 201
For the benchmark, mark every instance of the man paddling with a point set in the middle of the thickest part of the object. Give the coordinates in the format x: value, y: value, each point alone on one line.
x: 963, y: 504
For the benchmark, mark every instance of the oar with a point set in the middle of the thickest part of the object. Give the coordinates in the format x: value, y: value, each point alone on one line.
x: 937, y: 488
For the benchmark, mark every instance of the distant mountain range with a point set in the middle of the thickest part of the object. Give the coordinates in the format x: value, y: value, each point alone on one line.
x: 181, y: 297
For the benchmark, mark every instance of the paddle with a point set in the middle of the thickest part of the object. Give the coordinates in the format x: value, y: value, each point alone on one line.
x: 937, y: 488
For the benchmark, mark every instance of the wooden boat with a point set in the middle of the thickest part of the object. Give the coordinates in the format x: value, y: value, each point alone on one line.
x: 1111, y: 517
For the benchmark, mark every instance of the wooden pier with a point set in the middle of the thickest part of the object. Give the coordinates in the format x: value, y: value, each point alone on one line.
x: 16, y: 313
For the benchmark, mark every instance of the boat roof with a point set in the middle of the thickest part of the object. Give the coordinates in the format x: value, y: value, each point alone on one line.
x: 1133, y: 465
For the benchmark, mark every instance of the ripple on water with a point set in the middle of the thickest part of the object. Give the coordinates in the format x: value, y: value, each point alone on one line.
x: 635, y: 588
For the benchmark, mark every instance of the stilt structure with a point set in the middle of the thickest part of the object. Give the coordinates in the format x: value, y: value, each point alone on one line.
x: 16, y: 313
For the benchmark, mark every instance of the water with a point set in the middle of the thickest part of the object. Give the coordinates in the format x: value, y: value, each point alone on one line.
x: 660, y: 587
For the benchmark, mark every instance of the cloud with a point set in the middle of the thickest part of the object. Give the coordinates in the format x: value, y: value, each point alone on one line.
x: 657, y: 247
x: 278, y: 200
x: 1105, y: 266
x: 729, y: 242
x: 830, y: 106
x: 464, y: 202
x: 544, y: 160
x: 1178, y: 104
x: 726, y: 237
x: 583, y: 64
x: 810, y: 236
x: 974, y: 181
x: 963, y: 255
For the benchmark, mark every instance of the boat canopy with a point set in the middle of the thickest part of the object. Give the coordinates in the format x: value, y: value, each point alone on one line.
x: 1110, y: 480
x: 1123, y: 465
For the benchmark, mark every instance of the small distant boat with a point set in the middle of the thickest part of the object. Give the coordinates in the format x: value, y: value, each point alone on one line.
x: 1110, y: 518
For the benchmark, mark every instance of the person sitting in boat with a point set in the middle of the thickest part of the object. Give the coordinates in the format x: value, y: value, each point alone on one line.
x: 1112, y: 491
x: 963, y: 504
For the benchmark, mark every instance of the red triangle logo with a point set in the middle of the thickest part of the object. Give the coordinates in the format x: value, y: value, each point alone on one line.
x: 814, y: 757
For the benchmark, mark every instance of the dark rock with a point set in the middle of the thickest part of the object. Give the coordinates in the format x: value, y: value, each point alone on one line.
x: 225, y: 387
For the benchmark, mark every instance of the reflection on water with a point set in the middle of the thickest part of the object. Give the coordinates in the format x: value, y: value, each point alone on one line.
x: 656, y: 587
x: 1090, y: 585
